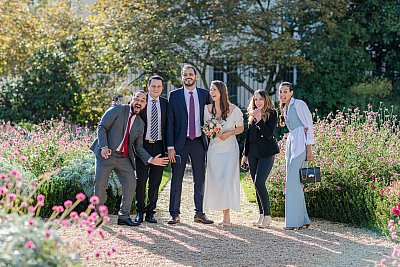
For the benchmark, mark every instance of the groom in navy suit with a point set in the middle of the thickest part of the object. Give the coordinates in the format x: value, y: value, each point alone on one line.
x: 186, y: 139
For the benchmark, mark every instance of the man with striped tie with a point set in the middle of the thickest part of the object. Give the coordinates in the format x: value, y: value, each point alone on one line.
x: 154, y: 117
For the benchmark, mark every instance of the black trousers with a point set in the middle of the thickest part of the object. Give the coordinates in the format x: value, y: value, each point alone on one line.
x: 150, y: 173
x: 260, y: 168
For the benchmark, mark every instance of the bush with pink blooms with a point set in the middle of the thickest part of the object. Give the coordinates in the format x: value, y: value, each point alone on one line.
x: 359, y: 155
x: 27, y: 240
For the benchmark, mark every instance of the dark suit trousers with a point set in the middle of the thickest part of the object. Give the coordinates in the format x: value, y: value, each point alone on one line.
x: 196, y: 152
x: 151, y: 173
x: 126, y: 175
x: 259, y: 170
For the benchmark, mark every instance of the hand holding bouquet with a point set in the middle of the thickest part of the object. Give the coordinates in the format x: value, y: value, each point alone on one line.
x: 212, y: 127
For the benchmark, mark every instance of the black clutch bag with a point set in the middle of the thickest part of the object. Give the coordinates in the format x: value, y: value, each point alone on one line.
x: 309, y: 174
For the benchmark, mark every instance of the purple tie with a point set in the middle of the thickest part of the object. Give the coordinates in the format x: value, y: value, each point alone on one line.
x: 192, y: 128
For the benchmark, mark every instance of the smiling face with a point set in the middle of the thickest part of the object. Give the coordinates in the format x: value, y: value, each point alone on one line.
x: 285, y: 94
x: 155, y: 88
x: 214, y: 93
x: 259, y: 101
x: 189, y: 77
x: 138, y: 102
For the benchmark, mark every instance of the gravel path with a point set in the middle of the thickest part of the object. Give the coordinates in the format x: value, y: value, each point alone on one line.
x: 194, y: 244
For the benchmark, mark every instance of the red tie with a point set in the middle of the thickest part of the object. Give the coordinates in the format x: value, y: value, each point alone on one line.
x: 125, y: 144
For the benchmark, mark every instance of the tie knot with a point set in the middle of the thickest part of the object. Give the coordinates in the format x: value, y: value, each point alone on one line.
x: 154, y: 101
x: 191, y: 93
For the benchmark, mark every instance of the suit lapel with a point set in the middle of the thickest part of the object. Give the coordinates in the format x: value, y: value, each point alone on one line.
x: 201, y: 103
x: 182, y: 99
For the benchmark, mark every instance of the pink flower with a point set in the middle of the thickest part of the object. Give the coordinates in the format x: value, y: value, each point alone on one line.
x: 24, y: 204
x: 12, y: 196
x: 15, y: 153
x: 47, y: 233
x: 40, y: 203
x: 65, y: 223
x: 395, y: 211
x: 40, y: 198
x: 31, y: 222
x: 97, y: 254
x: 23, y: 158
x: 31, y: 209
x: 68, y: 203
x: 30, y: 245
x: 103, y: 210
x: 3, y: 176
x: 13, y: 172
x: 398, y: 206
x: 80, y: 196
x: 107, y: 219
x: 339, y: 188
x: 373, y: 187
x: 94, y: 200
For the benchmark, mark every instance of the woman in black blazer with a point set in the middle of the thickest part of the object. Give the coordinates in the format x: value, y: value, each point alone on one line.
x: 260, y: 149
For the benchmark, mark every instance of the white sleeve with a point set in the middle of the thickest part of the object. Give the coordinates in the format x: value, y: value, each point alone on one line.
x: 238, y: 117
x: 306, y: 118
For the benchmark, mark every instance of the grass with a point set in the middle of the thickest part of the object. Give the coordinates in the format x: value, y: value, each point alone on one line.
x: 248, y: 187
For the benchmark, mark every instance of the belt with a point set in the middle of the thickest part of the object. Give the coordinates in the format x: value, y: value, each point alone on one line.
x: 193, y: 139
x: 117, y: 154
x: 152, y: 142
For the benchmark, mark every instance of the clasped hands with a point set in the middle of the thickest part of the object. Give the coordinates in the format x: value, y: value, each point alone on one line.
x: 157, y: 160
x: 223, y: 136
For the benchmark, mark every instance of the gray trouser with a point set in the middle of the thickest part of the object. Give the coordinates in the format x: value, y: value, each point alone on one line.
x: 126, y: 175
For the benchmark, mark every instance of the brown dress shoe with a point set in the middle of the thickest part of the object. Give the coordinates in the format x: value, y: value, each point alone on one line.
x: 174, y: 220
x: 202, y: 219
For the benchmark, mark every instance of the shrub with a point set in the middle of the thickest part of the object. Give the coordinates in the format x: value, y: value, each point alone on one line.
x: 77, y: 177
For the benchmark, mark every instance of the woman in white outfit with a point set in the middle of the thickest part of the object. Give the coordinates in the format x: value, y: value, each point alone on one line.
x: 222, y: 184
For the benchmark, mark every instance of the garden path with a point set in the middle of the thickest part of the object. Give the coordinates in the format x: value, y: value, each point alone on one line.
x: 194, y: 244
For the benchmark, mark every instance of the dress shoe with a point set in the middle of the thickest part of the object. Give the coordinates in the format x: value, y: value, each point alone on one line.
x: 150, y: 218
x: 174, y: 220
x: 265, y: 222
x: 260, y: 219
x: 139, y: 217
x: 307, y: 225
x: 202, y: 219
x: 127, y: 221
x: 292, y: 228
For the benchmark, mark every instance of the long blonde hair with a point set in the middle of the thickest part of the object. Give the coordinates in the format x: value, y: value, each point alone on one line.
x: 268, y: 108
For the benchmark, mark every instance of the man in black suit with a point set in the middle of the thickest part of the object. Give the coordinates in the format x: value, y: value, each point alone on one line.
x: 186, y: 139
x: 154, y: 117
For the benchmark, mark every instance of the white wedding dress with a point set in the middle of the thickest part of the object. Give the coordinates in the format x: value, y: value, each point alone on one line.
x: 222, y: 184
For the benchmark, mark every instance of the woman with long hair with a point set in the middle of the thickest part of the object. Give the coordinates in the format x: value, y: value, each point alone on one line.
x: 297, y: 117
x: 222, y: 184
x: 260, y: 149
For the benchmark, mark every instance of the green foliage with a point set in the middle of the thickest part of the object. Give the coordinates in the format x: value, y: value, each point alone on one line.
x: 48, y: 89
x: 16, y: 231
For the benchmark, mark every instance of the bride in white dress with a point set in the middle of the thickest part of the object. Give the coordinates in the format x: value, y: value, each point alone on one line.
x: 222, y: 184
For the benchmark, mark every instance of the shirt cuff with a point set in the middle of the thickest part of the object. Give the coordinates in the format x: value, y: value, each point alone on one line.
x: 170, y: 147
x: 104, y: 147
x: 149, y: 160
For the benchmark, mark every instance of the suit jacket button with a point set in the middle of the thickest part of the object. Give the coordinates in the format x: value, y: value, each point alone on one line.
x: 262, y: 135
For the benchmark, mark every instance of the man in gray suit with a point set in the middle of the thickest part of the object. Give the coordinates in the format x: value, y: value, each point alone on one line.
x: 119, y: 139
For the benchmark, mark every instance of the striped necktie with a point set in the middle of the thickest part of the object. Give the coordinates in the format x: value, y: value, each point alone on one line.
x: 154, y: 122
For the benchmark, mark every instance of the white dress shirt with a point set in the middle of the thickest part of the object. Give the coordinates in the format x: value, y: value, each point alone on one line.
x: 149, y: 108
x: 196, y: 108
x: 298, y: 139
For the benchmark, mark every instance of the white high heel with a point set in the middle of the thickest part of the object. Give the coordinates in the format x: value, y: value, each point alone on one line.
x: 266, y: 222
x: 259, y: 220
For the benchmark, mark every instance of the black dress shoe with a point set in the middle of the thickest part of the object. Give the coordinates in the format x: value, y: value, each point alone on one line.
x: 127, y: 221
x: 202, y: 219
x: 139, y: 217
x: 150, y: 218
x: 174, y: 220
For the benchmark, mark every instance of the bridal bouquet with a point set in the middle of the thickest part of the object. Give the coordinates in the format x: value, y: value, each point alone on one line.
x: 212, y: 127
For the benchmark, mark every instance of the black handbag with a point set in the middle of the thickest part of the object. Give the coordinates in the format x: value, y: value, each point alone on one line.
x: 309, y: 174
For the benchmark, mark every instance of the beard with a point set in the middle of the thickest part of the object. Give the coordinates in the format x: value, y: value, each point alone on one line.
x: 189, y: 82
x: 136, y: 109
